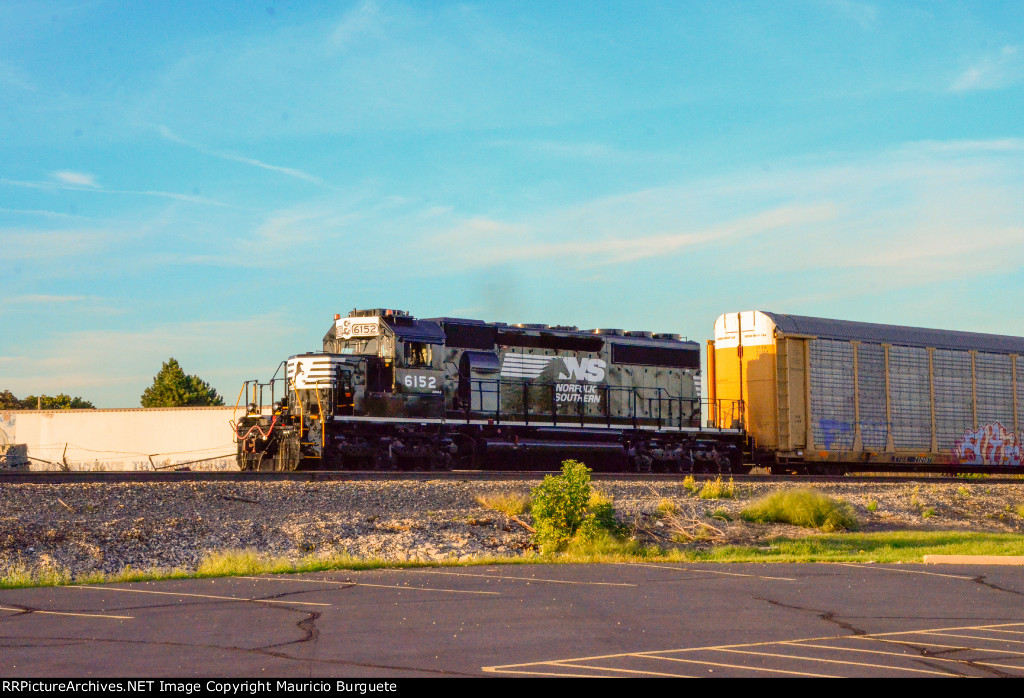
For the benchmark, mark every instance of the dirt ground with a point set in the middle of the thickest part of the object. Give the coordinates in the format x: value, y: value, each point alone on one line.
x: 973, y: 505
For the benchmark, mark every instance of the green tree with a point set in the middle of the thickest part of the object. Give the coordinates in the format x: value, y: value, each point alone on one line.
x: 45, y: 402
x: 172, y: 388
x: 55, y: 402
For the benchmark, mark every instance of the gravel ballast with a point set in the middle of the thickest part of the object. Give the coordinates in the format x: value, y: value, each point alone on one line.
x: 85, y: 528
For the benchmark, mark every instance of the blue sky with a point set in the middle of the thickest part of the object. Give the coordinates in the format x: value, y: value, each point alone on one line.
x: 212, y: 181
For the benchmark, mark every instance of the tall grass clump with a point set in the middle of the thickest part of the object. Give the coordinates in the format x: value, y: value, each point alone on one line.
x: 566, y: 510
x: 803, y: 507
x: 716, y: 489
x: 508, y: 503
x: 229, y: 563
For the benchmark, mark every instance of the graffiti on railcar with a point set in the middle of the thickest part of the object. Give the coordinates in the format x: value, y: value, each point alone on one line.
x: 991, y: 444
x: 834, y: 432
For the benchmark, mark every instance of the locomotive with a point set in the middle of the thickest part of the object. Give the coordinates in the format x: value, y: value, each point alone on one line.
x: 390, y: 391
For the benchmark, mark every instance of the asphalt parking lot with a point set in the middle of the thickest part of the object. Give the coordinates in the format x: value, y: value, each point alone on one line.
x: 628, y: 620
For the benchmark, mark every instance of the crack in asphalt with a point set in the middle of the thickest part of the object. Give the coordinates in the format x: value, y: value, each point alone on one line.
x: 923, y: 651
x: 308, y: 628
x: 68, y: 641
x: 980, y: 579
x: 827, y: 616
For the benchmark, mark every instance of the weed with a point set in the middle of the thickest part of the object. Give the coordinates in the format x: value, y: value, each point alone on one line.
x: 690, y: 485
x: 1019, y: 510
x: 716, y: 489
x: 802, y: 507
x: 963, y: 491
x: 720, y: 514
x: 508, y: 503
x: 666, y: 507
x: 241, y: 562
x: 927, y: 513
x: 872, y: 505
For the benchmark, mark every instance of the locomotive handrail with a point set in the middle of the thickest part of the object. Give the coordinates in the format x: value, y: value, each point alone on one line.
x: 659, y: 404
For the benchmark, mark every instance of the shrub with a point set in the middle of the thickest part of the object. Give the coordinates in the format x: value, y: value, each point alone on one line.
x: 716, y: 489
x: 802, y: 507
x: 565, y: 509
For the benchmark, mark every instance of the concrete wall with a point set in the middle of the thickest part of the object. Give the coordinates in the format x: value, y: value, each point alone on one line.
x: 126, y: 439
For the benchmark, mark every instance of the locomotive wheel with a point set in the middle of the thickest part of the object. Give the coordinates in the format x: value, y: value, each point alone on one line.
x: 642, y: 463
x: 248, y: 461
x: 288, y: 455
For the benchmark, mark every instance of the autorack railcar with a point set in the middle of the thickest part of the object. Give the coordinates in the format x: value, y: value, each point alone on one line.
x: 832, y: 396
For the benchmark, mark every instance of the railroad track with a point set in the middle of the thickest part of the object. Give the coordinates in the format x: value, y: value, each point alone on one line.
x: 146, y: 476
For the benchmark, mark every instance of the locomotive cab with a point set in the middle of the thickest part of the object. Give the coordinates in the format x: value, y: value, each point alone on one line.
x: 402, y: 363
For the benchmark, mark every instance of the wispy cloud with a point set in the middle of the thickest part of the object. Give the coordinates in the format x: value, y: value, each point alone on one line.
x: 484, y: 242
x: 15, y: 77
x: 906, y: 215
x: 64, y: 185
x: 76, y: 179
x: 41, y: 212
x: 52, y: 244
x: 862, y: 13
x: 234, y: 157
x: 82, y: 362
x: 594, y: 152
x: 47, y: 299
x: 357, y: 22
x: 991, y: 72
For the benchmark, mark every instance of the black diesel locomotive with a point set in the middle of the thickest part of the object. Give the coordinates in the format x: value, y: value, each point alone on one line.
x: 390, y: 391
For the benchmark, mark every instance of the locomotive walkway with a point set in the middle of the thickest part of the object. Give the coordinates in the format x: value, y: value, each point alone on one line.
x: 635, y: 620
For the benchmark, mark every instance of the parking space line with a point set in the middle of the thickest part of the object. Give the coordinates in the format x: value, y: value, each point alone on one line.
x: 620, y: 670
x: 895, y: 638
x: 938, y: 644
x: 894, y: 569
x: 201, y: 596
x: 995, y: 630
x: 367, y: 584
x: 496, y: 669
x: 798, y: 643
x: 697, y: 571
x: 737, y: 666
x: 975, y: 637
x: 525, y: 579
x: 66, y: 613
x: 990, y: 626
x: 837, y: 661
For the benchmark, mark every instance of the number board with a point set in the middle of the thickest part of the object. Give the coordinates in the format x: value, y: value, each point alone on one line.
x: 418, y: 380
x: 347, y: 328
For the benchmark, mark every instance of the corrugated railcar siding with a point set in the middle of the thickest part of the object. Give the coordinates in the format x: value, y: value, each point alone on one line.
x: 994, y: 386
x: 832, y: 394
x: 910, y: 398
x: 871, y: 388
x: 953, y: 410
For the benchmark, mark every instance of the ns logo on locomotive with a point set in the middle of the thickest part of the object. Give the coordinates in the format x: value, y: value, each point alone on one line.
x: 393, y: 391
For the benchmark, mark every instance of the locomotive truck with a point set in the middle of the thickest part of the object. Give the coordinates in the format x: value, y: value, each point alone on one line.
x: 392, y: 391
